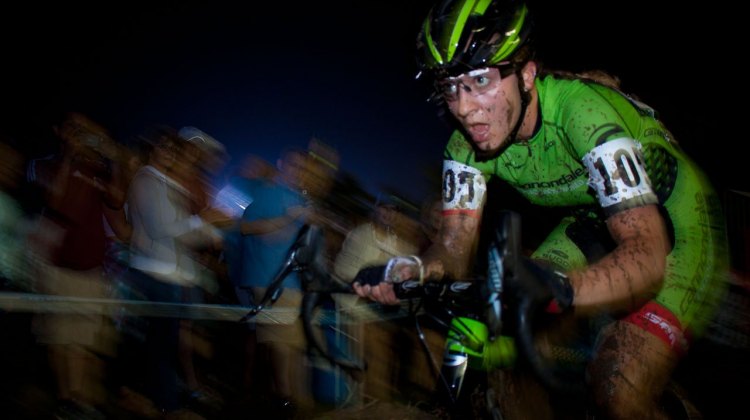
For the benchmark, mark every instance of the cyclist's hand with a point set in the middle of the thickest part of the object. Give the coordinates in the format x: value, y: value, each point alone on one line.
x: 370, y: 283
x: 381, y: 293
x: 376, y: 283
x: 547, y: 286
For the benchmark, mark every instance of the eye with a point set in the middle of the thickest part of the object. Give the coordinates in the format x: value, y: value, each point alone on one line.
x: 481, y: 81
x: 448, y: 88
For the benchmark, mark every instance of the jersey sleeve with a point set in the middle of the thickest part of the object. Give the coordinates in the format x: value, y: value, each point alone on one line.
x: 617, y: 175
x: 464, y: 184
x: 602, y: 126
x: 464, y: 189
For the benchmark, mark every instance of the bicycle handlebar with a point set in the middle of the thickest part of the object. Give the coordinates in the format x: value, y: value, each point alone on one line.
x: 411, y: 289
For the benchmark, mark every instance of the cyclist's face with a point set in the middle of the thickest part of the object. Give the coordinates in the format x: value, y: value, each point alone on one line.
x: 486, y: 102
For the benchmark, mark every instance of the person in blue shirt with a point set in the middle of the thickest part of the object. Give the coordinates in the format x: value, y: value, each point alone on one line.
x: 269, y: 227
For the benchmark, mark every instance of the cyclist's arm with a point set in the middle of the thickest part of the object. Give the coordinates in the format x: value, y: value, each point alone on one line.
x: 607, y: 141
x: 463, y: 202
x: 452, y: 254
x: 464, y: 196
x: 634, y: 271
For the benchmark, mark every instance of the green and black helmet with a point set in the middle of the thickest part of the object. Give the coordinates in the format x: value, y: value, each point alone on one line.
x: 462, y: 35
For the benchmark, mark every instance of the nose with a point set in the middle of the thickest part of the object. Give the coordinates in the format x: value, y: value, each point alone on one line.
x: 465, y: 102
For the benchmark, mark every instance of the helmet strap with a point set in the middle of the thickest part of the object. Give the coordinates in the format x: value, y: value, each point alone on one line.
x: 525, y: 100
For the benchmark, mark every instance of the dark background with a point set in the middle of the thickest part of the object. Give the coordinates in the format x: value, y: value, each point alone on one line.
x: 259, y: 76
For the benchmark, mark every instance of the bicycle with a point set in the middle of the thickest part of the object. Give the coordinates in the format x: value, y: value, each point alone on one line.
x: 494, y: 323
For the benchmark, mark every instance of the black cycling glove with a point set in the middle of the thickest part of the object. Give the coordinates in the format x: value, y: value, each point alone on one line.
x: 370, y: 275
x: 396, y: 270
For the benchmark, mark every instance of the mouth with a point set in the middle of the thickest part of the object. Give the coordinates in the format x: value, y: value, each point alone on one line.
x: 480, y: 133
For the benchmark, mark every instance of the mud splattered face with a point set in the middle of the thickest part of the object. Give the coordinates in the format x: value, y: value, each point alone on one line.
x: 487, y: 103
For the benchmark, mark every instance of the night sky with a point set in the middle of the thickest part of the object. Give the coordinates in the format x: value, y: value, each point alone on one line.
x: 260, y: 76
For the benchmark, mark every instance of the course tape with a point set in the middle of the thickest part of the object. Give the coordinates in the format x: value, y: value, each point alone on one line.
x: 40, y: 303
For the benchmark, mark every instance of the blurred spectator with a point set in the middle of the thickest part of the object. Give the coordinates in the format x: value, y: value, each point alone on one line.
x: 430, y: 221
x: 13, y: 225
x: 320, y: 171
x: 202, y: 157
x: 270, y: 225
x: 213, y: 154
x: 116, y: 225
x: 374, y: 243
x: 161, y: 264
x: 77, y: 184
x: 234, y: 198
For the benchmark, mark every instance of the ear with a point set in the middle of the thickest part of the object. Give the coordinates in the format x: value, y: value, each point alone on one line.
x: 528, y: 72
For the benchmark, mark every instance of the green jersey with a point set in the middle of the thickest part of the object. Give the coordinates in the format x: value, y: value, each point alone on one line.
x: 598, y: 147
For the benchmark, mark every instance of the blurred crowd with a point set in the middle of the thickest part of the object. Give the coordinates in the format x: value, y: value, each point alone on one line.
x: 152, y: 220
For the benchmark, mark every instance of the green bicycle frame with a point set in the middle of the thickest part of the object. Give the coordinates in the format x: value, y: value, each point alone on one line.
x: 468, y: 345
